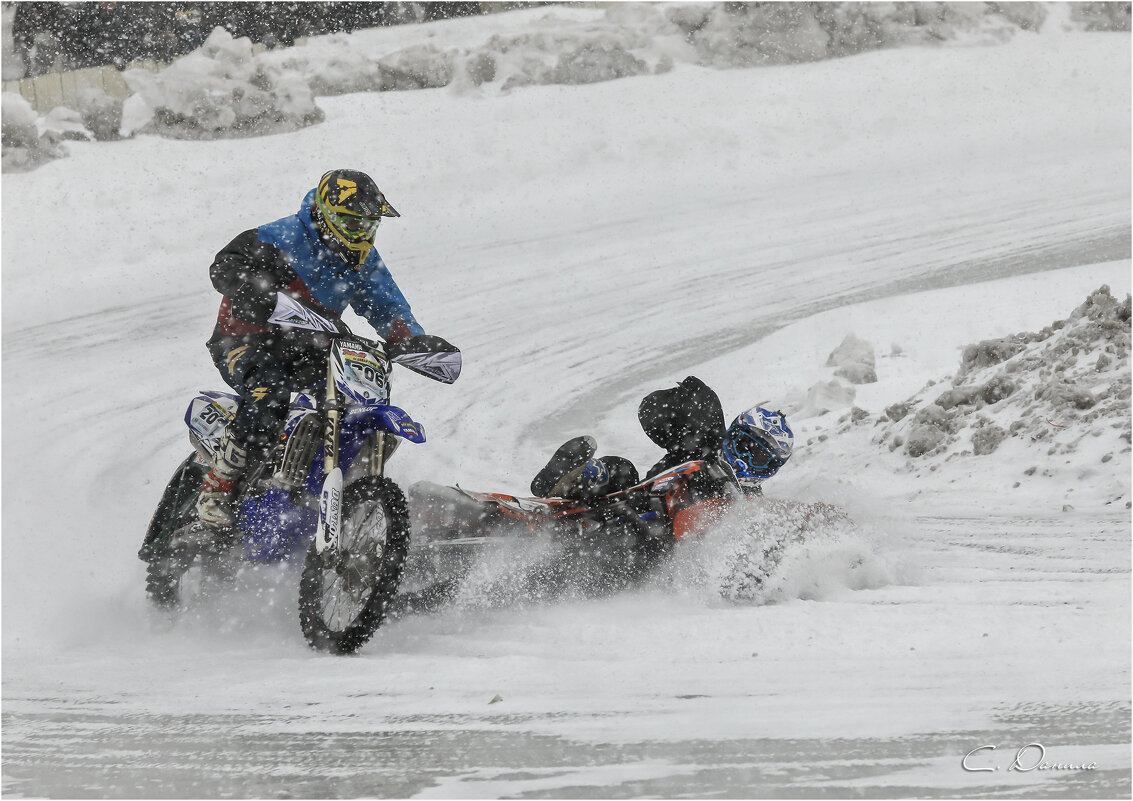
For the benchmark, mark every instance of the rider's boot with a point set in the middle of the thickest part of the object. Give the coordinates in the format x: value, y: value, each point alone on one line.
x: 214, y: 504
x: 564, y: 467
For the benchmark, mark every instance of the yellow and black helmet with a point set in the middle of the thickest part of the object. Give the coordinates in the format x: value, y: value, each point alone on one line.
x: 350, y: 208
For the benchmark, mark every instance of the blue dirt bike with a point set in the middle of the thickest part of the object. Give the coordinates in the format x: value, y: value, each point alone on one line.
x: 321, y: 495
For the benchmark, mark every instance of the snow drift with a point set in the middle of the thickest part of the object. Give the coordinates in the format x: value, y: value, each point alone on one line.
x: 1053, y: 388
x: 223, y: 89
x: 1057, y: 399
x: 219, y: 90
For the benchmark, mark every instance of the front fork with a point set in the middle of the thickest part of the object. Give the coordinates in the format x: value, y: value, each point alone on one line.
x: 373, y: 455
x: 376, y: 450
x: 333, y: 414
x: 330, y: 499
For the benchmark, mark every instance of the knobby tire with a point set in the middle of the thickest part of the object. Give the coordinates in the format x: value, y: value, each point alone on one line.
x: 320, y: 636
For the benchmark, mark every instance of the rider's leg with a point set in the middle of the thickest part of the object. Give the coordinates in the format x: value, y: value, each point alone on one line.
x: 583, y: 482
x: 263, y: 407
x: 597, y: 477
x: 565, y: 466
x: 622, y: 474
x: 214, y: 503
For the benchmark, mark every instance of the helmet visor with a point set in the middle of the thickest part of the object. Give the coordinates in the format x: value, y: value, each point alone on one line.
x: 352, y: 227
x: 756, y: 455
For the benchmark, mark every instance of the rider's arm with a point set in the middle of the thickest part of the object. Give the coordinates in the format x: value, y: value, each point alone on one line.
x: 250, y: 273
x: 383, y: 306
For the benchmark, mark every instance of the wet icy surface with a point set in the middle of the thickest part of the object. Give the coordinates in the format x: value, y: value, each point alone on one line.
x: 211, y: 756
x: 897, y: 725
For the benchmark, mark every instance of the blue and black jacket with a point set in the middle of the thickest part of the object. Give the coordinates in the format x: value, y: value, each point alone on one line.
x: 289, y: 255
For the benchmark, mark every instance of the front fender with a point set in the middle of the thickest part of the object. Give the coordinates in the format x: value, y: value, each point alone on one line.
x: 363, y: 421
x: 359, y: 423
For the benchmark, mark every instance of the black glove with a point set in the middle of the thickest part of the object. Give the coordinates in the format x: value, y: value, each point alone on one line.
x: 422, y: 343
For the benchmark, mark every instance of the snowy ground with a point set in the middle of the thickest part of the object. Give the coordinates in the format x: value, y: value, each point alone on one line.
x: 584, y: 245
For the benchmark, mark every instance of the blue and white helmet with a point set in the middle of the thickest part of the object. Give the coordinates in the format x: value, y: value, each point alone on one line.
x: 757, y: 444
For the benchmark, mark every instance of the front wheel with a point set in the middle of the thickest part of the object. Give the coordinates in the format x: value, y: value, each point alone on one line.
x: 343, y: 598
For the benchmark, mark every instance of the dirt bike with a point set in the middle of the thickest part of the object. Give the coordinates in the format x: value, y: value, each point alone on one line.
x: 610, y: 541
x: 321, y: 495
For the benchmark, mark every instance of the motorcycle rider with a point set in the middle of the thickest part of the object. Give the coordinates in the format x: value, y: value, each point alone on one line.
x: 688, y: 422
x: 322, y: 256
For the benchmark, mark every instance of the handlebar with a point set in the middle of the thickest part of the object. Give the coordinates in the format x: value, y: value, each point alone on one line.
x: 428, y: 355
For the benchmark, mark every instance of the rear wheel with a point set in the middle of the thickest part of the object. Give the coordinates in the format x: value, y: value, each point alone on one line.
x: 180, y: 578
x: 163, y: 582
x: 175, y: 508
x: 184, y: 560
x: 165, y: 568
x: 343, y: 598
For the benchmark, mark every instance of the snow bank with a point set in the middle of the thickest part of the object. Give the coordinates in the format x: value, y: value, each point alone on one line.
x: 224, y: 90
x: 25, y: 145
x: 101, y: 114
x: 1094, y: 16
x: 1057, y: 400
x: 575, y: 46
x: 219, y: 90
x: 563, y: 47
x: 752, y: 34
x: 1054, y: 388
x: 821, y: 398
x: 854, y: 361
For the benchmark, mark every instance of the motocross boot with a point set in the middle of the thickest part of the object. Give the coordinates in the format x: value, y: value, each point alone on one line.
x: 214, y: 504
x: 565, y: 467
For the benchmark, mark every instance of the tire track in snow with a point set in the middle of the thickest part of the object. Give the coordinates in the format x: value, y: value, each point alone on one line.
x: 1108, y: 244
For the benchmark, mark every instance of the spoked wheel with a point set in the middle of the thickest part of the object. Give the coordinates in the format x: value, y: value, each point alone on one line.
x: 343, y: 597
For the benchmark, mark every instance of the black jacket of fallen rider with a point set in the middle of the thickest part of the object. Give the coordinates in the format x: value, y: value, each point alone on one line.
x: 686, y: 420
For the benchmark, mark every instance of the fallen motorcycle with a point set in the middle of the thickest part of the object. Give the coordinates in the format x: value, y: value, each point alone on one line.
x: 615, y: 539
